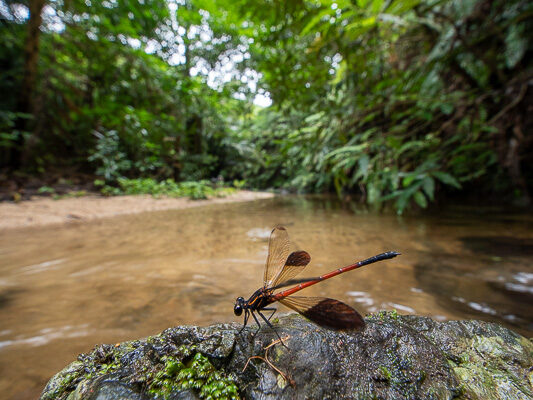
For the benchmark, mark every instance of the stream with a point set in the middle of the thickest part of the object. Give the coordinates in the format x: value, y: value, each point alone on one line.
x: 65, y: 288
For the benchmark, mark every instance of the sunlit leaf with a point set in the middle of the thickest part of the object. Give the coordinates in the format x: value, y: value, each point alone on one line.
x: 312, y: 24
x: 408, y: 180
x: 376, y: 6
x: 398, y: 7
x: 358, y: 28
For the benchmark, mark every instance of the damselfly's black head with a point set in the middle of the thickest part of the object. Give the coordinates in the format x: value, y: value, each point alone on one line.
x: 239, y: 305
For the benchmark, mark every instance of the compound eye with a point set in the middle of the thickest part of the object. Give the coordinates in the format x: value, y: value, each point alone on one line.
x: 237, y: 310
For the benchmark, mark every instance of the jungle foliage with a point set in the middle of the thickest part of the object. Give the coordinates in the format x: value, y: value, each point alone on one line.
x: 393, y: 100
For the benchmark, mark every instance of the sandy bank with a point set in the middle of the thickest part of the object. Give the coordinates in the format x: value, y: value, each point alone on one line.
x: 43, y: 211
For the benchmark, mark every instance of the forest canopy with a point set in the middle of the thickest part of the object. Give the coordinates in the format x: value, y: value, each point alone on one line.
x: 390, y: 101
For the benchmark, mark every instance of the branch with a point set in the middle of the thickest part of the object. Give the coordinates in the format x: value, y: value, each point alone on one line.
x: 511, y: 105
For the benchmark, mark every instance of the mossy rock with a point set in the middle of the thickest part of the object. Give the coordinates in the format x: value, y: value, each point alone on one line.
x: 394, y: 357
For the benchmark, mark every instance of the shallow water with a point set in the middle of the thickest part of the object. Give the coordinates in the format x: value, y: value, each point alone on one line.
x: 65, y: 288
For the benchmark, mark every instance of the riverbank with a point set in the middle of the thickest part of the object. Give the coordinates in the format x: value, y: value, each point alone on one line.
x: 40, y: 211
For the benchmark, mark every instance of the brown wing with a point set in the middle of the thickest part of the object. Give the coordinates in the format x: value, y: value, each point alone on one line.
x: 296, y: 262
x: 278, y: 252
x: 326, y: 312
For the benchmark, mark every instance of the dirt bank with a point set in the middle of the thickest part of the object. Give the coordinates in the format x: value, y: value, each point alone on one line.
x: 43, y: 211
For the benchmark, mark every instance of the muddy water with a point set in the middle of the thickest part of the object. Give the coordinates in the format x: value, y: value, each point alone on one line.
x: 65, y: 288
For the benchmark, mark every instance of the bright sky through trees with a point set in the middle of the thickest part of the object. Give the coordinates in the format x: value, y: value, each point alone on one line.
x: 223, y: 72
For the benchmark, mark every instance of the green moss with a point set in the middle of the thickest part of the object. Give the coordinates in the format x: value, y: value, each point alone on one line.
x: 198, y: 374
x: 383, y: 316
x: 482, y: 369
x: 95, y: 369
x: 185, y: 369
x: 64, y: 382
x: 88, y: 367
x: 396, y: 370
x: 385, y: 373
x: 62, y: 388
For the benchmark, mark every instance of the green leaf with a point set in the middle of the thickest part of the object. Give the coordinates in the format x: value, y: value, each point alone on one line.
x: 402, y: 201
x: 428, y: 185
x: 446, y: 179
x: 373, y: 193
x: 376, y: 6
x: 348, y: 149
x: 315, y: 20
x: 398, y: 7
x: 340, y: 73
x: 360, y: 27
x: 447, y: 108
x: 364, y: 162
x: 474, y: 67
x: 515, y: 45
x: 420, y: 199
x: 406, y: 182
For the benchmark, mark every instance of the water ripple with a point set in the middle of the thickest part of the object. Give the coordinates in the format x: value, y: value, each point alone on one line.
x: 41, y: 267
x: 47, y: 335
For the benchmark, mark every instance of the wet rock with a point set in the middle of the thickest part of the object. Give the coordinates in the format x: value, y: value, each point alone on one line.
x: 109, y: 389
x: 394, y: 357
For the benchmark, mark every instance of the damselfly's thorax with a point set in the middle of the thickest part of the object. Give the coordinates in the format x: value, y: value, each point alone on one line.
x: 260, y: 299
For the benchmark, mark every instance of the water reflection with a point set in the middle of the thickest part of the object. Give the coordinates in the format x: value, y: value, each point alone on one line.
x: 65, y: 288
x: 499, y: 246
x: 488, y: 279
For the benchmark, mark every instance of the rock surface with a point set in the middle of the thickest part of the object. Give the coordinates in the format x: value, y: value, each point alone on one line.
x: 394, y: 357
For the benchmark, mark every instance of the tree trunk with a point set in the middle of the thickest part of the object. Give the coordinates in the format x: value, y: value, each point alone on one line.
x: 26, y: 95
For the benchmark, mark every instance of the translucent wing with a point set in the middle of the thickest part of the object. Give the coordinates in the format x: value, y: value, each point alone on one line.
x: 296, y: 262
x: 325, y: 312
x: 278, y: 252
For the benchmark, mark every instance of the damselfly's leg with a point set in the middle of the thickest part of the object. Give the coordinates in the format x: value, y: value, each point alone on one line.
x: 270, y: 325
x: 246, y: 315
x: 257, y: 321
x: 270, y: 309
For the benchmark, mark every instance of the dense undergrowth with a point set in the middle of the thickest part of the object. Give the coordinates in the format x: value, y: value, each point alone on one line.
x: 195, y: 190
x: 401, y: 101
